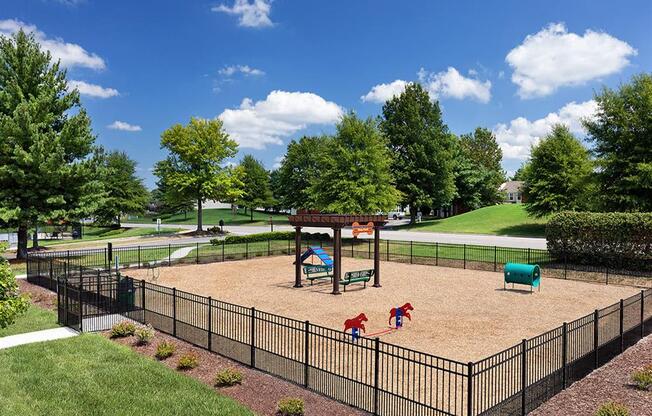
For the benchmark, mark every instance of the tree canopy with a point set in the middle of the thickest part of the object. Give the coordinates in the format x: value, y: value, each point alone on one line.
x: 622, y: 136
x: 421, y: 148
x: 195, y: 165
x: 257, y: 191
x: 299, y: 168
x: 124, y: 191
x: 355, y: 175
x: 558, y: 177
x: 45, y: 141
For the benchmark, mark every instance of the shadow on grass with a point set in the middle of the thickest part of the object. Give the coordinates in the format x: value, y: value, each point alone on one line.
x: 523, y: 230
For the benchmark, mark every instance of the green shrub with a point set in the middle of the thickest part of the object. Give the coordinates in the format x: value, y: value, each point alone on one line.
x: 164, y: 350
x: 612, y: 409
x: 290, y: 407
x: 228, y: 377
x: 123, y: 329
x: 618, y: 240
x: 144, y: 334
x: 643, y: 378
x: 276, y: 235
x: 187, y: 362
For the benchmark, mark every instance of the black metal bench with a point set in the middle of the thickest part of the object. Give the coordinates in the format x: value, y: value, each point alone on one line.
x: 317, y: 272
x: 357, y: 277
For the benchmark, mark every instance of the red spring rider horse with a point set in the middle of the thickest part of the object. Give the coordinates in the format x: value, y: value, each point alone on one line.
x: 355, y: 325
x: 398, y: 313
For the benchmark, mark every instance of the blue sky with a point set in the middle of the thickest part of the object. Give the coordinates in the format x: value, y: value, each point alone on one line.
x: 273, y: 71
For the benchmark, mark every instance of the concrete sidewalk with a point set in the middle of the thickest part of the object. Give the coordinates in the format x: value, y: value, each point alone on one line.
x: 37, y: 336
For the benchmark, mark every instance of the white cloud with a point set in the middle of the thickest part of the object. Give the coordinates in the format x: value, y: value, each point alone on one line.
x: 251, y: 14
x: 278, y: 160
x: 70, y: 54
x: 92, y: 90
x: 452, y: 84
x: 554, y: 58
x: 516, y: 138
x: 281, y: 114
x: 246, y: 70
x: 121, y: 125
x: 383, y: 92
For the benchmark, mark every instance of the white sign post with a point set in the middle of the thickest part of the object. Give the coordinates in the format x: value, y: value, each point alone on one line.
x: 158, y: 226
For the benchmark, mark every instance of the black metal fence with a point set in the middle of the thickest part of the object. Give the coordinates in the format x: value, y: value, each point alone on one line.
x: 475, y: 257
x: 375, y: 376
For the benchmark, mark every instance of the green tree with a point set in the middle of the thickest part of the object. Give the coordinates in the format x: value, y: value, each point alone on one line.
x: 299, y: 168
x: 355, y: 173
x: 622, y: 136
x: 558, y: 177
x: 257, y: 191
x: 519, y: 175
x: 166, y: 199
x: 468, y: 178
x: 12, y: 304
x: 421, y: 148
x: 483, y: 151
x: 45, y: 141
x: 125, y: 192
x: 194, y: 166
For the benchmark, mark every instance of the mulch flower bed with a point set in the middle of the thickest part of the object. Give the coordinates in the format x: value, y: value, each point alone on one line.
x: 39, y: 296
x: 611, y: 382
x: 258, y: 391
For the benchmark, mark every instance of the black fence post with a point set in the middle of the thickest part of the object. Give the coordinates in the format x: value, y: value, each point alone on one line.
x: 523, y: 375
x: 565, y: 265
x: 81, y: 305
x: 289, y: 248
x: 223, y: 244
x: 495, y: 258
x: 469, y: 395
x: 142, y: 297
x: 210, y: 324
x: 564, y: 356
x: 169, y: 254
x: 269, y: 250
x: 174, y: 311
x: 642, y: 314
x: 528, y: 255
x: 622, y: 325
x: 387, y: 250
x: 465, y: 256
x: 306, y: 354
x: 368, y: 248
x: 197, y: 255
x: 436, y: 253
x: 376, y: 373
x: 253, y: 337
x: 596, y: 338
x: 606, y: 274
x: 109, y: 254
x: 139, y: 257
x: 246, y: 249
x: 410, y: 251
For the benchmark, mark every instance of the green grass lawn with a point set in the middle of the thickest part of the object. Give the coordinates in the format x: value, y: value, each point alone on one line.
x: 106, y: 233
x: 90, y: 375
x: 506, y: 219
x: 212, y: 216
x: 35, y: 319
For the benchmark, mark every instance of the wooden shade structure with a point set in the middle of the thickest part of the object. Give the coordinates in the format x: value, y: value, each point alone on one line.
x: 336, y: 223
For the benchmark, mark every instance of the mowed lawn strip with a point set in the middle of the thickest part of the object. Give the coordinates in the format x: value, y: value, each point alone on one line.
x: 212, y: 216
x: 91, y: 375
x: 35, y: 319
x: 505, y: 219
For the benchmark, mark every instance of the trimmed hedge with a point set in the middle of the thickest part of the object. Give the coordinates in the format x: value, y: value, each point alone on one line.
x: 276, y: 235
x: 618, y: 240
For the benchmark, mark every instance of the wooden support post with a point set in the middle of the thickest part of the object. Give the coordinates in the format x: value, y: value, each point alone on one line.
x: 337, y: 269
x: 297, y: 257
x: 376, y: 256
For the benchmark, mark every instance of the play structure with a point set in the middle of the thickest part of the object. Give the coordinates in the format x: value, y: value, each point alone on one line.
x: 356, y: 325
x: 522, y: 274
x: 318, y: 252
x: 336, y: 223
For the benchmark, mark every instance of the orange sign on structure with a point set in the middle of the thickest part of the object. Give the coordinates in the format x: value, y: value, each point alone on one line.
x: 362, y: 229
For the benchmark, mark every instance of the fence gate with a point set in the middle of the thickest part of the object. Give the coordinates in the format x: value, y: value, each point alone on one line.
x: 69, y: 305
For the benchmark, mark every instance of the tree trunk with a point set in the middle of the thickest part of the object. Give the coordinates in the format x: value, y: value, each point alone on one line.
x: 22, y: 242
x: 413, y: 215
x: 35, y: 236
x: 252, y: 214
x: 199, y: 215
x: 117, y: 218
x: 185, y: 214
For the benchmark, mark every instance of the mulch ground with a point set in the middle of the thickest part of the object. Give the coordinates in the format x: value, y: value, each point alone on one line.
x: 39, y: 296
x: 611, y: 382
x: 258, y: 391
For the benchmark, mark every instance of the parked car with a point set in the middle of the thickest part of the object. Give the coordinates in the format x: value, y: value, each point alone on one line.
x: 396, y: 215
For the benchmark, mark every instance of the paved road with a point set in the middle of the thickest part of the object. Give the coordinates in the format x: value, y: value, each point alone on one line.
x: 389, y: 234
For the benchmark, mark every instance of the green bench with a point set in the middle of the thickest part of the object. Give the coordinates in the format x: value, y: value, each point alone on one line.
x: 357, y: 277
x: 317, y: 272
